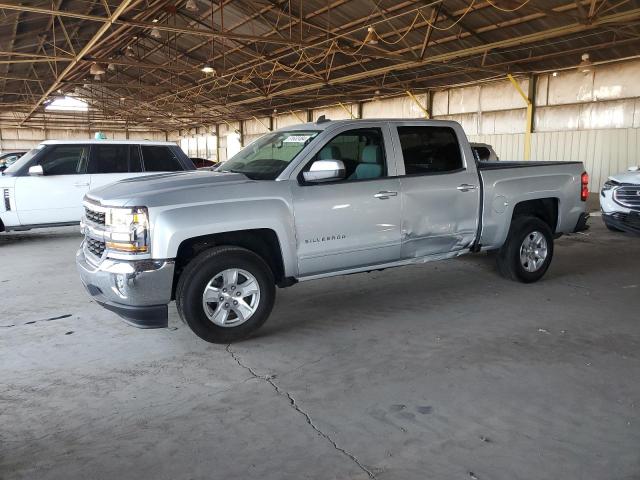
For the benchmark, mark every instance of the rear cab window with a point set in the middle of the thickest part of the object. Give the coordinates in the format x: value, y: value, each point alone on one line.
x: 428, y: 150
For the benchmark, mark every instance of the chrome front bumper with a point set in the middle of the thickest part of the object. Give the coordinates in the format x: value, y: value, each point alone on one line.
x: 137, y: 290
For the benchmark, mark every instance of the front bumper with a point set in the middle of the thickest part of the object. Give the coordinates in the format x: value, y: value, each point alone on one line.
x: 137, y: 290
x: 627, y: 222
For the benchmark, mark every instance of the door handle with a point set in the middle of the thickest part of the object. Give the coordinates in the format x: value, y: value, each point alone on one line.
x: 465, y: 187
x: 384, y: 195
x: 80, y: 184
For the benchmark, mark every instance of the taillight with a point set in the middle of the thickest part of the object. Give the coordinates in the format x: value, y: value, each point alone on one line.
x: 584, y: 186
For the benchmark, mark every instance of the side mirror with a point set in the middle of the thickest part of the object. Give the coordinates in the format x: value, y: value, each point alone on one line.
x: 634, y: 169
x: 36, y: 170
x: 325, y: 171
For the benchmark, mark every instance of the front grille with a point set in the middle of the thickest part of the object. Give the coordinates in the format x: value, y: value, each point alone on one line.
x: 628, y: 196
x: 93, y: 216
x: 96, y: 247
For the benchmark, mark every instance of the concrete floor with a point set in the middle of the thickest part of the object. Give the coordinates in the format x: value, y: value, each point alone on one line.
x: 441, y: 371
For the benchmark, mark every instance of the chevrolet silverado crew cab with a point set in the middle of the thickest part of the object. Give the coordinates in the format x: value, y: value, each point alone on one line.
x: 45, y: 187
x: 312, y: 201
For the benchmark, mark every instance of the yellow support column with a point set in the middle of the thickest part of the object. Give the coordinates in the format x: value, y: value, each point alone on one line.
x: 347, y: 110
x: 417, y: 102
x: 529, y: 126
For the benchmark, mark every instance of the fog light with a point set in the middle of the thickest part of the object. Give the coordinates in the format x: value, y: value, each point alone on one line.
x: 121, y: 282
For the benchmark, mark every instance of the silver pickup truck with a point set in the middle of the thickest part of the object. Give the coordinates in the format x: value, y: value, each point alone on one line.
x: 313, y: 201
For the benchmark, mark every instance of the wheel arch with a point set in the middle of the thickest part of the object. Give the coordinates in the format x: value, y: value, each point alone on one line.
x: 263, y: 242
x: 546, y: 209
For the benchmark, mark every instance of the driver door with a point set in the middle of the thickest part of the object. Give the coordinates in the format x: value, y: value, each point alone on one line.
x: 56, y: 196
x: 353, y: 222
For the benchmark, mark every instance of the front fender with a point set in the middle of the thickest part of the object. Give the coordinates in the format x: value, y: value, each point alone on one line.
x: 170, y: 227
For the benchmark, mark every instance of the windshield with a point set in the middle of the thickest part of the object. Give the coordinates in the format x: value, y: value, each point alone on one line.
x: 23, y: 160
x: 268, y: 156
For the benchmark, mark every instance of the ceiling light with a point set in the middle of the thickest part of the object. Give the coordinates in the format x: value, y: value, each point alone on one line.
x: 155, y: 33
x: 96, y: 69
x: 372, y: 36
x: 208, y: 69
x: 585, y: 65
x: 111, y: 67
x: 148, y: 119
x: 191, y: 5
x: 122, y: 99
x: 555, y: 74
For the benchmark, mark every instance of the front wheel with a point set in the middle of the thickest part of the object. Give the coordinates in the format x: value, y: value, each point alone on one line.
x: 527, y: 251
x: 225, y: 293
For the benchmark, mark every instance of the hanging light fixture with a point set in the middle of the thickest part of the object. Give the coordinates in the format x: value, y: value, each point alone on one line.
x: 155, y: 33
x: 96, y: 69
x: 208, y: 69
x: 585, y: 65
x: 372, y: 36
x: 191, y: 5
x: 111, y: 67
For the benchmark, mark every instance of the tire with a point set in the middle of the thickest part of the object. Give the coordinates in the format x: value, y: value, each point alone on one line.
x: 212, y: 270
x: 533, y: 266
x: 611, y: 227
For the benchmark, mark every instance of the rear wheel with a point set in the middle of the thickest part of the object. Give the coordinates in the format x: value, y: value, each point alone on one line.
x: 528, y: 250
x: 225, y: 293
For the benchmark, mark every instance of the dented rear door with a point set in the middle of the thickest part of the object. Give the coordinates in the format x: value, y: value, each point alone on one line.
x: 440, y: 188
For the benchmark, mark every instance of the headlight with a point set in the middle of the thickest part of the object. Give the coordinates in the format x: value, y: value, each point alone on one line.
x: 609, y: 184
x: 127, y: 229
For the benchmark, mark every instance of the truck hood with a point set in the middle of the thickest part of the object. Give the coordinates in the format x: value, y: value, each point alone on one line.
x: 627, y: 177
x: 163, y: 189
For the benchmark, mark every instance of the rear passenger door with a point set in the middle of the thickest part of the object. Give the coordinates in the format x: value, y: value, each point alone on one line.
x: 439, y: 187
x: 112, y: 162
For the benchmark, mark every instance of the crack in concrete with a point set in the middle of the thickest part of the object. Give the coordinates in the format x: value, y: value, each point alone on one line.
x: 296, y: 407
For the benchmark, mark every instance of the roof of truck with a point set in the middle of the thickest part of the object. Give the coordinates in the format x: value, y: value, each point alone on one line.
x: 326, y: 123
x: 106, y: 142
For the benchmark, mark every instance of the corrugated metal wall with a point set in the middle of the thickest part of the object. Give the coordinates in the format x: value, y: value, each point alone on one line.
x: 604, y: 152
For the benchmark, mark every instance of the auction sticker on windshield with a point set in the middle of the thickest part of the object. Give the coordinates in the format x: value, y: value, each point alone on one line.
x: 297, y: 138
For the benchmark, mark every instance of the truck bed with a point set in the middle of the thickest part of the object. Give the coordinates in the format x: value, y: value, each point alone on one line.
x: 505, y: 184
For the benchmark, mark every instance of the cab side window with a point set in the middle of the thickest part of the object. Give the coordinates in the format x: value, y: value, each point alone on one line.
x: 427, y: 150
x: 65, y: 160
x: 361, y: 151
x: 114, y: 159
x: 159, y: 159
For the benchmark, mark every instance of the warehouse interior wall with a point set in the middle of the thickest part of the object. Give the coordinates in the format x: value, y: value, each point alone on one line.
x: 12, y: 138
x: 593, y: 117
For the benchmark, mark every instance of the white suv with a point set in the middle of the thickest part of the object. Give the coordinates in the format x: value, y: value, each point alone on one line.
x: 620, y: 201
x: 45, y: 187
